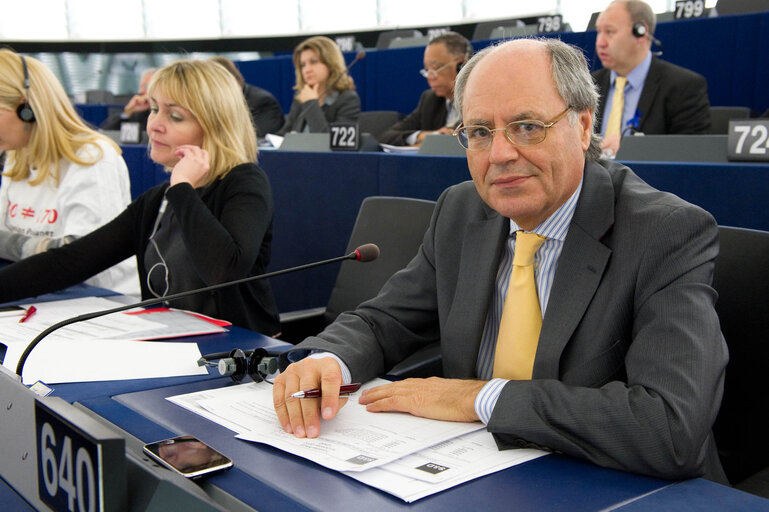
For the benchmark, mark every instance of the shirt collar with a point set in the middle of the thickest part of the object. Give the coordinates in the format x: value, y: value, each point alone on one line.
x: 557, y: 225
x: 637, y: 75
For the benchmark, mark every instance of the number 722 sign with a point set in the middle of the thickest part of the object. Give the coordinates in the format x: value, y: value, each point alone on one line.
x: 749, y: 140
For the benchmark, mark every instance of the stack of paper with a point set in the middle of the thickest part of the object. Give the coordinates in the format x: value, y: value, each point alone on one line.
x: 103, y: 348
x: 404, y: 455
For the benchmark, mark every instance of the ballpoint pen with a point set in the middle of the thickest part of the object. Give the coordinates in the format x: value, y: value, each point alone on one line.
x: 28, y: 314
x: 344, y: 390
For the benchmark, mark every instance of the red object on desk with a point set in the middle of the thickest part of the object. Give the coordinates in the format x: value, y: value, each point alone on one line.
x: 31, y: 311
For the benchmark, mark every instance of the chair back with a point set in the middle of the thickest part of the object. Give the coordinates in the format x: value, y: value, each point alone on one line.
x: 397, y: 225
x: 742, y: 281
x: 376, y: 122
x: 720, y: 117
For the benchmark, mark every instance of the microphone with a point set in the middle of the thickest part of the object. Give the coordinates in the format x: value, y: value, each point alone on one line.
x: 363, y: 253
x: 358, y: 56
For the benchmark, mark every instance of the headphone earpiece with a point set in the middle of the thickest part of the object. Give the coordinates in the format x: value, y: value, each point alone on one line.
x: 459, y: 66
x: 640, y: 29
x: 24, y: 111
x: 257, y: 364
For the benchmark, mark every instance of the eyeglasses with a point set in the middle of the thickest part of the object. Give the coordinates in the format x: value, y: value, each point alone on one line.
x: 527, y: 132
x: 432, y: 72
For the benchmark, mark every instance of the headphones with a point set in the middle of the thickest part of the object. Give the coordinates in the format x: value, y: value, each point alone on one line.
x: 24, y: 111
x: 459, y: 66
x: 640, y: 29
x: 256, y: 363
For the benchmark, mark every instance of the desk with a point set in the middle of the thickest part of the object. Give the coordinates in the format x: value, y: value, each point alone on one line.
x: 265, y: 478
x: 317, y: 197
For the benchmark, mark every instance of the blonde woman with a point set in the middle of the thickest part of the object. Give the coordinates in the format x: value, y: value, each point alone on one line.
x: 211, y: 223
x: 324, y: 91
x: 61, y: 179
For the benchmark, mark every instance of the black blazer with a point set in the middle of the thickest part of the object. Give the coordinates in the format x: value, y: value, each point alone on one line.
x: 430, y: 114
x: 265, y: 110
x: 673, y: 100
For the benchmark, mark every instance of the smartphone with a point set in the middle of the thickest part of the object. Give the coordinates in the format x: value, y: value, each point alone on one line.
x: 187, y: 456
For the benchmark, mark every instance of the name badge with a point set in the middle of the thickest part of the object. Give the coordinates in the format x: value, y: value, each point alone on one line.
x: 749, y: 140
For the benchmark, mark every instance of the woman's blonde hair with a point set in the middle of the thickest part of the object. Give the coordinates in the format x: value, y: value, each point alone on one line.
x: 214, y: 98
x: 57, y: 132
x: 330, y: 55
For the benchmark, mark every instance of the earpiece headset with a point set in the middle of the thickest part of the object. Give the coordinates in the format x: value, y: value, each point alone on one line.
x: 256, y: 363
x: 640, y: 29
x: 24, y: 111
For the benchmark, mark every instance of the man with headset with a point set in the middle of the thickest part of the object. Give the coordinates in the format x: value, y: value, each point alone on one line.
x: 657, y: 97
x: 435, y: 113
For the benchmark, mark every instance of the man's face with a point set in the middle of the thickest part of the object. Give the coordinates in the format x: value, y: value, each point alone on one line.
x: 442, y: 69
x: 524, y: 183
x: 615, y: 43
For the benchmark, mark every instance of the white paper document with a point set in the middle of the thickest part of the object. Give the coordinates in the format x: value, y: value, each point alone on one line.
x: 101, y: 348
x: 353, y: 441
x: 394, y: 452
x: 443, y: 466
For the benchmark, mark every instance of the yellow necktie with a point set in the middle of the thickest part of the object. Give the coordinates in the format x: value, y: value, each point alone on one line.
x: 521, y: 315
x: 614, y: 126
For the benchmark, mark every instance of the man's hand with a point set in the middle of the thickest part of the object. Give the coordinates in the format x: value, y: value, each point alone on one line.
x: 436, y: 398
x: 301, y: 416
x: 610, y: 145
x: 138, y: 103
x: 192, y: 167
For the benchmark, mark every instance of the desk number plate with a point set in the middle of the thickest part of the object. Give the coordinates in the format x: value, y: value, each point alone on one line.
x: 69, y: 465
x: 749, y: 140
x: 344, y: 137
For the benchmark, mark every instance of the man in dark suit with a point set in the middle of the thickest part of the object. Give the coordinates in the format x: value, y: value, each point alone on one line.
x: 443, y: 58
x: 659, y: 97
x: 265, y: 109
x: 628, y: 364
x: 137, y: 110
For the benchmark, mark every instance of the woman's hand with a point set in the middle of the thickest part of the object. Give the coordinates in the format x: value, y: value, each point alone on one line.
x: 308, y: 93
x: 192, y: 167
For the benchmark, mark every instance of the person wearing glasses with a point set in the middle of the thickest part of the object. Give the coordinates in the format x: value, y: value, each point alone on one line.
x: 210, y: 223
x: 572, y: 302
x: 435, y: 114
x: 325, y: 92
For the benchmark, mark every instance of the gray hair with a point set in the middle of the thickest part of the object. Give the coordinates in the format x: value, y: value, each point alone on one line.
x: 571, y: 76
x: 456, y: 44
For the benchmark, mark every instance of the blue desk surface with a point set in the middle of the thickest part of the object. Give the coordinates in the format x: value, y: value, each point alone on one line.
x: 269, y: 479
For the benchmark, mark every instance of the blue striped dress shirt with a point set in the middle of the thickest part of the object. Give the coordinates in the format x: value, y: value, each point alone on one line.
x: 554, y: 228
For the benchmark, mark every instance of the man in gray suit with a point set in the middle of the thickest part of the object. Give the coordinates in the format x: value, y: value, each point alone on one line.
x: 629, y: 366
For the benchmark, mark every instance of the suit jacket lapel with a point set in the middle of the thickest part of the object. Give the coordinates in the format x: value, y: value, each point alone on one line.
x: 580, y: 268
x: 649, y: 92
x: 481, y: 250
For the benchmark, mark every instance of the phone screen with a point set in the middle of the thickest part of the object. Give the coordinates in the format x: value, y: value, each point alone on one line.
x: 187, y: 455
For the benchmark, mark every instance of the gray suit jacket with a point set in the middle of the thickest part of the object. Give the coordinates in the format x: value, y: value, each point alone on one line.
x: 630, y: 363
x: 346, y: 107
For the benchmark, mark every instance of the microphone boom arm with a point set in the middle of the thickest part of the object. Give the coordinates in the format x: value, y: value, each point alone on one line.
x: 364, y: 253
